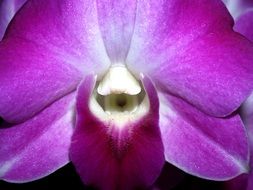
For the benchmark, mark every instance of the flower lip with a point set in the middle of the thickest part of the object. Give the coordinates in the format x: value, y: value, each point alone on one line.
x: 119, y: 98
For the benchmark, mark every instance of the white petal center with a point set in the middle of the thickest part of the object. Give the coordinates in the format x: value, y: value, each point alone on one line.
x: 118, y: 80
x: 119, y: 98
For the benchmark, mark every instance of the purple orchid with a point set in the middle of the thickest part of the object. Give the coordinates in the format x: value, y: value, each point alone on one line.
x: 8, y: 8
x: 242, y: 12
x: 120, y: 87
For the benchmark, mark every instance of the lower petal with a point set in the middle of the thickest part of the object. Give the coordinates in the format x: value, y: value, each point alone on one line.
x: 111, y: 157
x: 204, y: 146
x: 39, y: 146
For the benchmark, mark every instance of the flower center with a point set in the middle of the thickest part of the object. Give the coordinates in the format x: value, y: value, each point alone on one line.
x: 119, y: 98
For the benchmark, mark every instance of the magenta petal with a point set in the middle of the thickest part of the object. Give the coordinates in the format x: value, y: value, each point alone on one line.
x: 204, y: 146
x: 8, y: 8
x: 67, y: 28
x: 47, y: 49
x: 31, y: 77
x: 191, y: 51
x: 39, y: 146
x: 244, y: 24
x: 109, y: 158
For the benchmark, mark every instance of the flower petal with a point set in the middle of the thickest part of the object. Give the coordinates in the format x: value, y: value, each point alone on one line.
x: 192, y: 52
x: 244, y: 24
x: 204, y: 146
x: 8, y: 8
x: 49, y: 46
x: 108, y: 157
x: 68, y: 28
x: 30, y: 79
x: 116, y: 21
x: 245, y: 181
x: 39, y: 146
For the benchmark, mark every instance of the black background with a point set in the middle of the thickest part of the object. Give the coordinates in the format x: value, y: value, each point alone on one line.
x: 66, y: 178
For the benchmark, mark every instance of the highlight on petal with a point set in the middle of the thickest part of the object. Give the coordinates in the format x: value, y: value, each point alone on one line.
x: 39, y: 146
x: 244, y: 24
x: 8, y: 9
x: 31, y: 78
x: 117, y: 21
x: 191, y: 51
x: 204, y: 146
x: 237, y: 7
x: 47, y: 49
x: 109, y: 156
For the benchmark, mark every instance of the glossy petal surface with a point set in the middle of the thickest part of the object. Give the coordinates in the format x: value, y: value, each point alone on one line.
x: 190, y: 50
x: 109, y: 157
x: 39, y: 146
x: 208, y: 147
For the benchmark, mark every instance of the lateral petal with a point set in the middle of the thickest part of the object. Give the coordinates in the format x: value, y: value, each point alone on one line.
x: 39, y: 146
x: 190, y: 50
x: 204, y: 146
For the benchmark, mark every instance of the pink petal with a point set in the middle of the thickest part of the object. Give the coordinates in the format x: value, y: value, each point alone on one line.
x: 204, y: 146
x: 31, y: 77
x: 39, y: 146
x: 68, y: 28
x: 49, y: 46
x: 244, y: 24
x: 8, y: 8
x: 190, y: 50
x: 109, y: 158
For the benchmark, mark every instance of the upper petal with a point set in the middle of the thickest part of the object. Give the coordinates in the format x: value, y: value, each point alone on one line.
x: 111, y: 157
x: 117, y: 21
x: 191, y: 51
x: 39, y: 146
x: 205, y: 146
x: 69, y: 29
x: 49, y: 46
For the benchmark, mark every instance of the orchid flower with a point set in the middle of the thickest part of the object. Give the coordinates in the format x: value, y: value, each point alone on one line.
x: 242, y: 12
x: 8, y: 8
x: 120, y: 87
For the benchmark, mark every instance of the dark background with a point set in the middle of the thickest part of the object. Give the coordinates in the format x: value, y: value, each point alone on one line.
x: 66, y: 178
